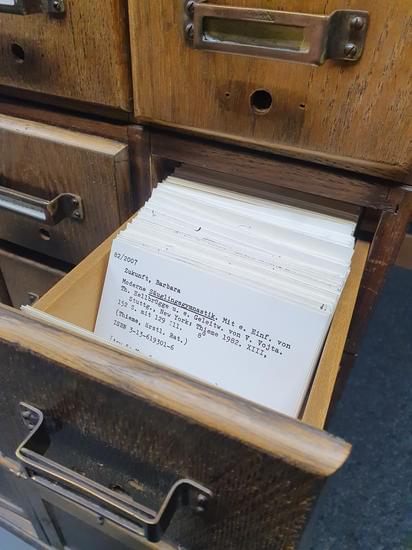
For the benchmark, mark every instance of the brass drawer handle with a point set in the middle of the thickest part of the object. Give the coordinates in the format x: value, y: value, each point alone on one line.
x: 296, y: 37
x: 26, y: 7
x: 65, y: 205
x: 121, y: 510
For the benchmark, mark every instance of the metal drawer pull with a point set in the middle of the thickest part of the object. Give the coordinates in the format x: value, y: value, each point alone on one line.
x: 65, y: 205
x: 105, y: 503
x: 26, y: 7
x: 296, y: 37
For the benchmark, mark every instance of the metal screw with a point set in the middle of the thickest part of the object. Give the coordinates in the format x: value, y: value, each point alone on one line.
x: 350, y: 50
x: 57, y: 5
x: 189, y: 31
x: 29, y: 416
x: 357, y: 23
x: 76, y: 214
x: 201, y: 504
x: 190, y: 7
x: 33, y: 297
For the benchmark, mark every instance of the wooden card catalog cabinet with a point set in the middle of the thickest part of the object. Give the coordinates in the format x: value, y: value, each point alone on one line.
x: 325, y: 84
x: 67, y: 48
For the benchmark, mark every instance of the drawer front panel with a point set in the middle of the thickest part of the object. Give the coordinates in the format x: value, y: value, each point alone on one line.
x: 139, y: 450
x: 26, y: 280
x: 81, y: 54
x: 337, y: 113
x: 44, y: 162
x: 115, y: 441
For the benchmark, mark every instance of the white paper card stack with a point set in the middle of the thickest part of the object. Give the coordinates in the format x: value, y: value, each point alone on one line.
x: 233, y: 290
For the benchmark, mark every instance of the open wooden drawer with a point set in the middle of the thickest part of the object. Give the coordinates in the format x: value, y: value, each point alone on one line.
x: 138, y: 429
x: 129, y: 452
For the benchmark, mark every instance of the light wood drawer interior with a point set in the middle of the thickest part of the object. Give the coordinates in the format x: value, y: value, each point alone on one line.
x: 81, y: 54
x: 26, y: 279
x: 45, y: 161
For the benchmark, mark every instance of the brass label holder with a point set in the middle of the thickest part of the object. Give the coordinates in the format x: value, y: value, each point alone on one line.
x: 288, y: 36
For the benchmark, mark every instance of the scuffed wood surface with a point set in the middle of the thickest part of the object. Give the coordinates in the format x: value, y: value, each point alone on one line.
x: 275, y: 434
x: 345, y: 114
x: 82, y: 55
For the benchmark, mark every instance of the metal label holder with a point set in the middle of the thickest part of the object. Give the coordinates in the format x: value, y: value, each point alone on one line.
x: 294, y: 37
x: 105, y: 503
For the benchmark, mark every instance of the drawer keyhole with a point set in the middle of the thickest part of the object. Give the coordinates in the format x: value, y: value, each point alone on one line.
x: 44, y: 234
x: 18, y: 52
x: 261, y: 102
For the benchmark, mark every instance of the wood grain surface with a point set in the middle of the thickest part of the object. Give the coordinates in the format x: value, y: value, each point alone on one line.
x: 320, y: 394
x: 82, y: 55
x: 384, y: 250
x: 272, y: 170
x: 103, y: 428
x: 344, y: 114
x: 79, y: 122
x: 44, y: 161
x: 274, y: 434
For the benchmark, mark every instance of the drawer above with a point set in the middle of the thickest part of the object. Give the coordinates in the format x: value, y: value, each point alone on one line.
x: 239, y: 70
x: 78, y: 52
x: 61, y: 192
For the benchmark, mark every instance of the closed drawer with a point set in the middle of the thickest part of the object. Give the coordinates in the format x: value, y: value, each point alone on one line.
x: 79, y: 54
x: 26, y: 279
x: 340, y: 113
x: 74, y: 187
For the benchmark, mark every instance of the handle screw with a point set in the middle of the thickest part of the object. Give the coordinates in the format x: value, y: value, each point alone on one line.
x: 350, y: 50
x: 190, y: 7
x: 201, y: 504
x: 189, y: 31
x: 357, y: 23
x: 57, y: 5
